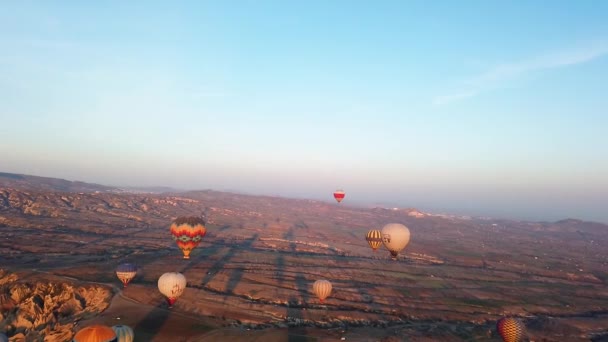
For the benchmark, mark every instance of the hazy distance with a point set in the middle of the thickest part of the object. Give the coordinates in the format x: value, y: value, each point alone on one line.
x: 477, y: 108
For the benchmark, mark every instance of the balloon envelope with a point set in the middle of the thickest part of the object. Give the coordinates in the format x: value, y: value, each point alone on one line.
x: 95, y: 333
x: 172, y: 285
x: 395, y: 237
x: 126, y: 273
x: 339, y: 195
x: 374, y: 239
x: 322, y: 289
x: 3, y: 338
x: 188, y: 233
x: 510, y: 329
x: 124, y: 333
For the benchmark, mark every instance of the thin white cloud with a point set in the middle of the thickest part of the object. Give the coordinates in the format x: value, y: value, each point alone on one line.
x: 505, y: 72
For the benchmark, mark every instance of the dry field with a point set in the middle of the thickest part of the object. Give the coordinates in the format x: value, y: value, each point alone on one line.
x: 250, y: 279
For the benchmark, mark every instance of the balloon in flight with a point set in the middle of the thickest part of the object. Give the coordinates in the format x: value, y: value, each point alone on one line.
x: 126, y: 273
x: 510, y: 329
x: 395, y: 237
x: 322, y: 289
x: 188, y: 233
x: 374, y: 239
x: 124, y: 333
x: 95, y: 333
x: 172, y: 285
x: 339, y: 195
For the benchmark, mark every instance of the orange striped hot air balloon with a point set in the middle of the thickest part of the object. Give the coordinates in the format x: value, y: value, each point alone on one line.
x: 510, y: 329
x: 95, y: 333
x: 188, y: 233
x: 322, y: 288
x: 339, y: 195
x: 374, y: 239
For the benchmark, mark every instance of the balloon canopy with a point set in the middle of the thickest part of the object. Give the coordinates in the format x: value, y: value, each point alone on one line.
x: 172, y: 285
x: 374, y: 239
x: 124, y: 333
x: 188, y: 233
x: 339, y: 195
x: 510, y: 329
x: 126, y: 273
x: 95, y: 333
x: 322, y: 289
x: 395, y: 237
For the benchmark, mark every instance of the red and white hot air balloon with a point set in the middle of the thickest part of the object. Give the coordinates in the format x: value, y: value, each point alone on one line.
x: 339, y: 195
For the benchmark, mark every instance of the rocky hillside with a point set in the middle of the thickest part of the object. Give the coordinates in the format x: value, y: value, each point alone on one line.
x: 46, y: 310
x: 13, y: 180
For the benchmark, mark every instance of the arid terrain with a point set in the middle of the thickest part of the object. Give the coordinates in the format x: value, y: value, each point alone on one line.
x: 250, y: 279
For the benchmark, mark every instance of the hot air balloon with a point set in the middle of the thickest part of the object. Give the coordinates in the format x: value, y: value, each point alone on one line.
x: 172, y: 285
x: 395, y: 237
x: 95, y: 333
x: 3, y: 338
x: 124, y: 333
x: 339, y: 195
x: 126, y: 273
x: 510, y: 329
x: 374, y: 239
x: 188, y: 233
x: 322, y: 288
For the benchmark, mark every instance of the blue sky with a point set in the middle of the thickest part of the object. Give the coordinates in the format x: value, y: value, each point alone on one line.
x: 474, y: 107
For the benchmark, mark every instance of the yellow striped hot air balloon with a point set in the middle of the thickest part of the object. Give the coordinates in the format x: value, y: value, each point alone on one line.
x: 374, y: 239
x: 95, y: 333
x: 188, y: 233
x: 510, y: 329
x: 124, y: 333
x: 322, y: 289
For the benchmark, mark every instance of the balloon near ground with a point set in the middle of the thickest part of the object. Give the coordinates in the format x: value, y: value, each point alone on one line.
x: 124, y: 333
x: 395, y: 237
x: 188, y: 233
x: 126, y: 273
x: 95, y: 333
x: 339, y: 195
x: 322, y: 289
x: 374, y: 239
x: 510, y: 329
x: 172, y: 285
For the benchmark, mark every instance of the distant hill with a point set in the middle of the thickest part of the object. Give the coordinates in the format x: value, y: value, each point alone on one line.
x: 27, y: 182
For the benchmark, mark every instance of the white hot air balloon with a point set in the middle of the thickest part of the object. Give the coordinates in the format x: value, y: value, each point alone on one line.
x: 124, y: 333
x: 172, y: 285
x: 3, y: 338
x: 395, y: 237
x: 321, y: 288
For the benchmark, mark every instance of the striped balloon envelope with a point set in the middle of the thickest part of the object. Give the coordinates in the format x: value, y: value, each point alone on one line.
x: 95, y: 333
x: 510, y: 329
x: 374, y: 239
x: 126, y: 273
x: 188, y: 233
x: 339, y: 195
x: 322, y: 289
x: 124, y: 333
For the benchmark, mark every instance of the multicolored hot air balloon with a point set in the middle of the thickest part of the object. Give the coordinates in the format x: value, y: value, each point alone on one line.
x: 124, y: 333
x: 3, y: 338
x: 339, y: 195
x: 188, y: 233
x: 172, y: 285
x: 395, y: 237
x: 322, y: 289
x: 374, y: 239
x: 126, y: 273
x: 95, y: 333
x: 510, y: 329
